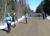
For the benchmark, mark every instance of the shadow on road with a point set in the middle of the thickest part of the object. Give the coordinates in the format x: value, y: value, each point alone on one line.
x: 4, y: 30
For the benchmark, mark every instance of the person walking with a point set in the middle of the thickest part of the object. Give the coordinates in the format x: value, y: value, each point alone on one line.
x: 25, y: 17
x: 8, y: 20
x: 43, y: 15
x: 13, y: 20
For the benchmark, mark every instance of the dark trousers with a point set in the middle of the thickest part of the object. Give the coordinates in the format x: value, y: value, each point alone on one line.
x: 43, y: 16
x: 26, y: 19
x: 9, y: 27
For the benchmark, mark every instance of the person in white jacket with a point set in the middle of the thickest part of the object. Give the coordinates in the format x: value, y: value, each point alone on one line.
x: 8, y: 20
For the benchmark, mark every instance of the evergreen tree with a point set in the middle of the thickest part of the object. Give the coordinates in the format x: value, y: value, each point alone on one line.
x: 47, y: 6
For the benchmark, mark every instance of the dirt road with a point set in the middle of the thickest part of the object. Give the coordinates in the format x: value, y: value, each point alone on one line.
x: 34, y: 27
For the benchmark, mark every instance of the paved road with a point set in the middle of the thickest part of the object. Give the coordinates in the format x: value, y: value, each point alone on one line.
x: 34, y: 27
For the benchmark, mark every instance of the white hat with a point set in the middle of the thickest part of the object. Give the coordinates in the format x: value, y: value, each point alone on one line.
x: 14, y: 13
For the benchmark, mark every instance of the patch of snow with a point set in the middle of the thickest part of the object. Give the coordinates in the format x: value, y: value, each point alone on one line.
x: 48, y: 17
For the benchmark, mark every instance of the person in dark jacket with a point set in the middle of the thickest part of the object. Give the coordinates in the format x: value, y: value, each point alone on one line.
x: 43, y: 15
x: 13, y: 19
x: 25, y: 17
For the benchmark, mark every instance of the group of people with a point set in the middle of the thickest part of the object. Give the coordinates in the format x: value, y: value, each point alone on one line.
x: 9, y: 19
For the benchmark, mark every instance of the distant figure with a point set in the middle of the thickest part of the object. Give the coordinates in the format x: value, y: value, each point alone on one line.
x: 30, y: 15
x: 43, y: 15
x: 8, y: 20
x: 25, y: 17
